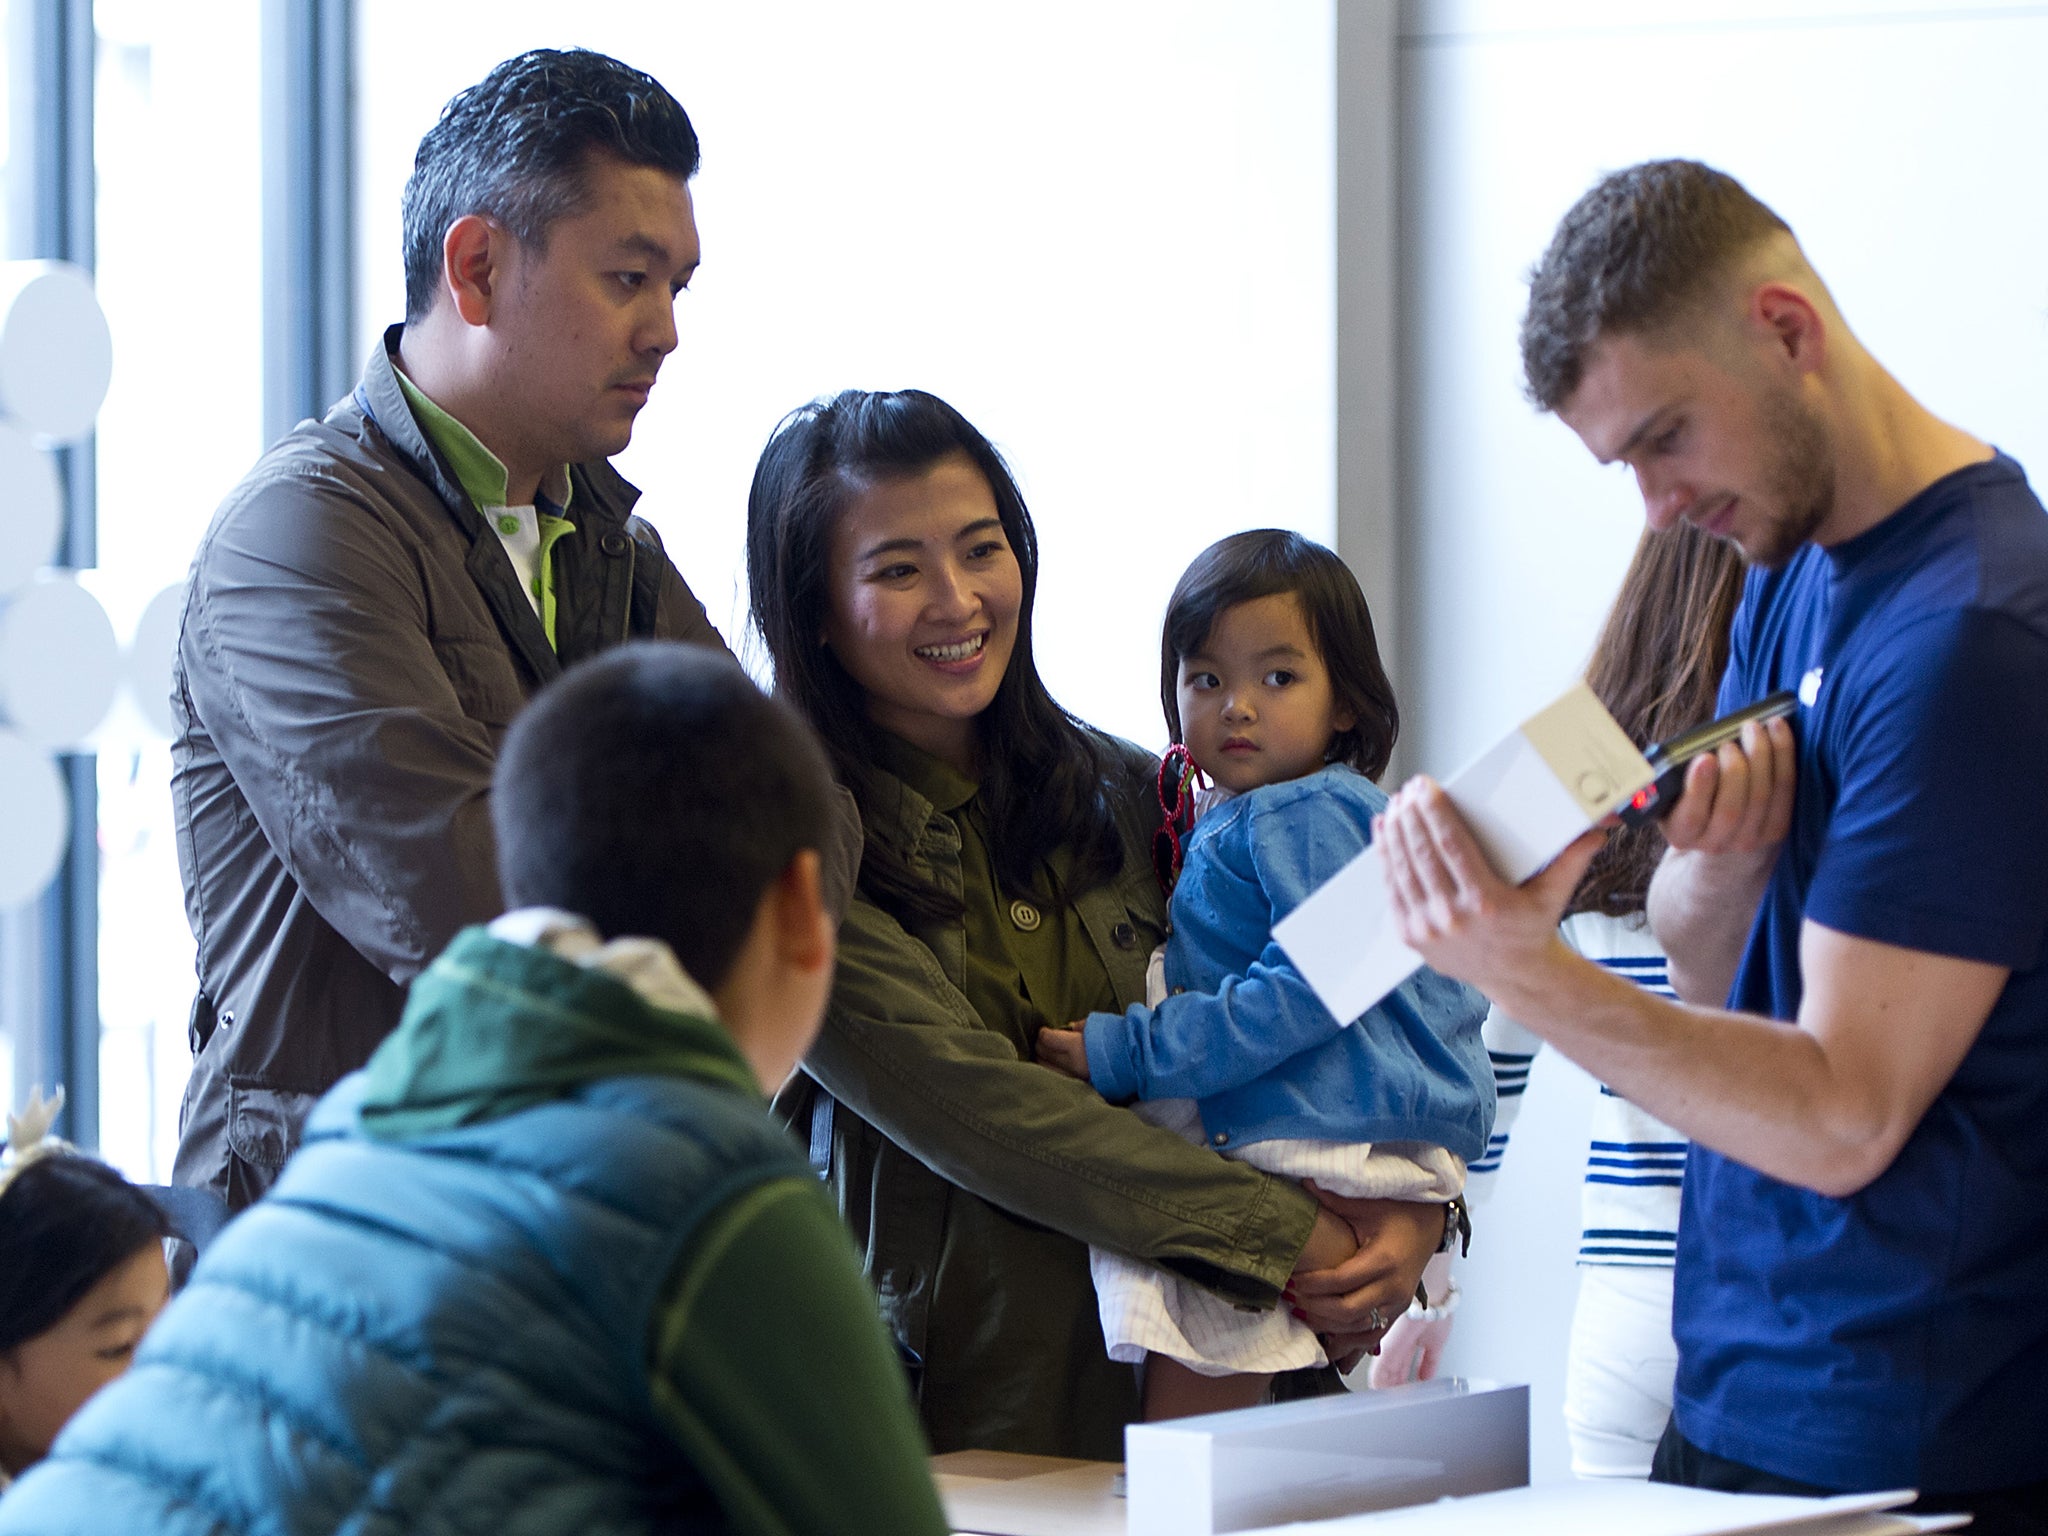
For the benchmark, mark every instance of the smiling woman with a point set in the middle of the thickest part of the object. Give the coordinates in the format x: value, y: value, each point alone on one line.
x: 1006, y: 885
x: 926, y: 592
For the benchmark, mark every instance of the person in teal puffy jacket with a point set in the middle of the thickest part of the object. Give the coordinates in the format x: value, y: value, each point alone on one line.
x: 547, y: 1264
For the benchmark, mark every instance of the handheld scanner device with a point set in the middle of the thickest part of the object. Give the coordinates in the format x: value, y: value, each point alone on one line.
x: 1669, y: 759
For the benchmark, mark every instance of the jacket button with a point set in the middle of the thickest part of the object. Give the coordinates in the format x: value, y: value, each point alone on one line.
x: 1124, y: 936
x: 227, y: 1018
x: 613, y: 544
x: 1025, y: 916
x: 1221, y: 1138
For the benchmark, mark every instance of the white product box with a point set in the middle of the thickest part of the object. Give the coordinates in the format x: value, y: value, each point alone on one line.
x: 1564, y: 769
x: 1325, y: 1456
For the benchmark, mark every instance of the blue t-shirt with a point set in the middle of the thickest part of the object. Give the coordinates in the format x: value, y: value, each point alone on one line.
x: 1899, y: 1336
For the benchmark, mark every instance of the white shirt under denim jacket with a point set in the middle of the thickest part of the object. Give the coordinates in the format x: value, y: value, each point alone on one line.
x: 1392, y: 1105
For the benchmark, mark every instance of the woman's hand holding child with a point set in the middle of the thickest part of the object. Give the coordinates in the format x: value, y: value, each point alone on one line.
x: 1352, y: 1303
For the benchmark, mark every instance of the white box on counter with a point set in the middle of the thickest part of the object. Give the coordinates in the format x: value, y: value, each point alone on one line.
x: 1325, y: 1456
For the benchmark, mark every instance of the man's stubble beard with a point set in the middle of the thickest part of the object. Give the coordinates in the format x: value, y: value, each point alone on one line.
x: 1801, y: 479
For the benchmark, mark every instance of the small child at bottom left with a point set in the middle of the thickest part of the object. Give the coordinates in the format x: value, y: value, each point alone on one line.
x: 82, y: 1276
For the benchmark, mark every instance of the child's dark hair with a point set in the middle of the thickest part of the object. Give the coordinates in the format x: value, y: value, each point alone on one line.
x: 655, y: 790
x: 1265, y: 562
x: 66, y: 1223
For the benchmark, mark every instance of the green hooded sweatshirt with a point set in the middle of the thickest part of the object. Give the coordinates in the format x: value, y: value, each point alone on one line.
x: 767, y: 1359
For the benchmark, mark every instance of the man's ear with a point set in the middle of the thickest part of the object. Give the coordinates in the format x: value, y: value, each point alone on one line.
x: 1792, y: 324
x: 804, y: 931
x: 473, y: 256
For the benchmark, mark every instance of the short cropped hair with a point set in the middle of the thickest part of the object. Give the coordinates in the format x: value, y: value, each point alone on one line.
x: 1265, y: 562
x: 1634, y: 252
x: 656, y: 791
x: 515, y: 147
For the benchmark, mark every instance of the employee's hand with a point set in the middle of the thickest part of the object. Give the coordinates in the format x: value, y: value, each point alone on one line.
x: 1453, y: 910
x: 1064, y: 1051
x: 1353, y: 1303
x: 1738, y: 800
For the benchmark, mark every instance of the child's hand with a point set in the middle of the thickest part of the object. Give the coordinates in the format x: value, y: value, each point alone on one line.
x: 1063, y: 1051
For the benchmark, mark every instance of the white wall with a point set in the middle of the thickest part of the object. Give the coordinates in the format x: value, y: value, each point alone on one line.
x: 1104, y: 232
x: 1903, y: 143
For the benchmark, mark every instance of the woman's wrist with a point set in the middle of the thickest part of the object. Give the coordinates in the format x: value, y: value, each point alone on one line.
x: 1440, y: 1307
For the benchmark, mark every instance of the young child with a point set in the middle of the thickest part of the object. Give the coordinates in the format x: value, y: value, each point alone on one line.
x: 1272, y: 682
x: 547, y: 1264
x: 82, y: 1276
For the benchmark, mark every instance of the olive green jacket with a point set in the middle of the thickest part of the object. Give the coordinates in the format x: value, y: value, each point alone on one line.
x: 974, y: 1179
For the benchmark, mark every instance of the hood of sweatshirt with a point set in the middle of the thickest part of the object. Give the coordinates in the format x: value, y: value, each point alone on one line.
x: 531, y: 1008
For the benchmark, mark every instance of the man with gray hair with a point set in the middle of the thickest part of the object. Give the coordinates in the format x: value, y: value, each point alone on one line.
x: 1854, y: 904
x: 374, y: 603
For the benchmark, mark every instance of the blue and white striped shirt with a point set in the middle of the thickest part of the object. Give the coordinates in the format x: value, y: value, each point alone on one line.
x: 1635, y: 1163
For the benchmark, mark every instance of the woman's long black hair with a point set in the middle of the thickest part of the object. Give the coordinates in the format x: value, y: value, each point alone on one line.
x: 1657, y: 667
x: 1042, y: 774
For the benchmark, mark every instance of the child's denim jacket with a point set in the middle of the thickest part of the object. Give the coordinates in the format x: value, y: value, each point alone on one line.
x: 1245, y: 1035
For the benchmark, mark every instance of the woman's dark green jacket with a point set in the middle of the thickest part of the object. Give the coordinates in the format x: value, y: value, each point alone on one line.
x: 974, y: 1179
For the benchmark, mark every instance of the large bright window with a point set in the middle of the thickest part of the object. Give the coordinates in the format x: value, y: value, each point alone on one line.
x: 180, y: 276
x: 12, y: 924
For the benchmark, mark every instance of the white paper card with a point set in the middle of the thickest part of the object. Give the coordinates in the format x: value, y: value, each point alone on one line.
x: 1561, y: 771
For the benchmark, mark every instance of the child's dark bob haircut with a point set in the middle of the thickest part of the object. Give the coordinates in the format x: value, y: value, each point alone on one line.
x: 1263, y: 563
x: 66, y: 1223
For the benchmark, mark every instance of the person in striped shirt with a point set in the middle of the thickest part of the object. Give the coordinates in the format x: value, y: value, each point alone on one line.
x: 1656, y: 666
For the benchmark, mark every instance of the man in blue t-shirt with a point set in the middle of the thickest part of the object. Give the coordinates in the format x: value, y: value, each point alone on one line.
x: 1862, y: 1289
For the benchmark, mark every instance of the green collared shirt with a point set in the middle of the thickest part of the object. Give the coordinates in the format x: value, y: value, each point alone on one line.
x: 529, y: 532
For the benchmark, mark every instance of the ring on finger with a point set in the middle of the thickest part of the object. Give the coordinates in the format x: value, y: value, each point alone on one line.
x: 1376, y: 1321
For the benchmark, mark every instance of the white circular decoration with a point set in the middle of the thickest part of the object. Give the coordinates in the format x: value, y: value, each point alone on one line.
x: 56, y: 354
x: 38, y: 820
x: 150, y: 655
x: 59, y: 662
x: 31, y: 508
